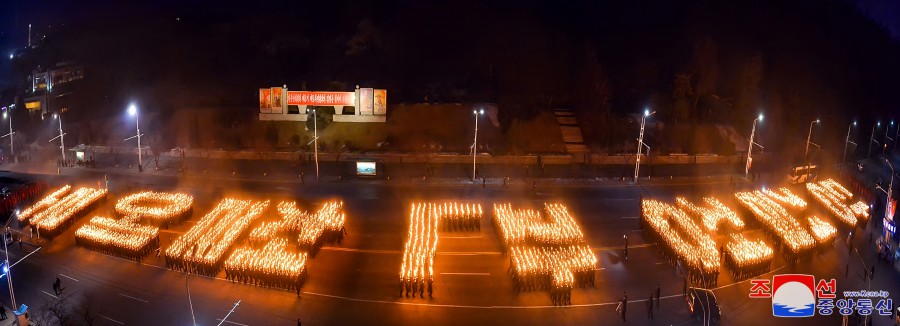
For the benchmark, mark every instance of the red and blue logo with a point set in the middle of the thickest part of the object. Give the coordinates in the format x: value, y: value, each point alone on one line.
x: 793, y: 295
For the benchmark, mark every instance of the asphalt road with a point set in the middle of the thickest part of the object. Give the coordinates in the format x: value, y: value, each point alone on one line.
x: 356, y: 282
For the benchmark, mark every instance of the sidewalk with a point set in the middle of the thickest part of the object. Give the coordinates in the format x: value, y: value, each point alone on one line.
x: 330, y: 174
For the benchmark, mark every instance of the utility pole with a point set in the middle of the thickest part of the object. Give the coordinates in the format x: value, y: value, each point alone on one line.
x: 640, y: 144
x: 750, y: 147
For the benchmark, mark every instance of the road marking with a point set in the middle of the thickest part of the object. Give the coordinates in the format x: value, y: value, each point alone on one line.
x: 447, y: 253
x: 231, y: 322
x: 634, y: 217
x: 474, y: 253
x: 368, y: 251
x: 68, y: 277
x: 47, y: 293
x: 660, y: 262
x: 472, y: 274
x: 112, y: 320
x: 643, y: 245
x: 130, y: 297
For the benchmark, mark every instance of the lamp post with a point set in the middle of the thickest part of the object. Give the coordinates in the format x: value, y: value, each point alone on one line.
x: 476, y: 113
x: 62, y: 143
x: 315, y: 140
x: 886, y: 137
x: 750, y: 147
x: 8, y: 114
x: 640, y: 144
x: 133, y: 111
x: 872, y: 139
x: 808, y: 138
x: 847, y: 142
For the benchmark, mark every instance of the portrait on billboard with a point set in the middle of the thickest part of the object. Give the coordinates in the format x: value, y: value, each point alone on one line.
x: 265, y: 100
x: 277, y: 99
x: 366, y: 101
x: 380, y: 101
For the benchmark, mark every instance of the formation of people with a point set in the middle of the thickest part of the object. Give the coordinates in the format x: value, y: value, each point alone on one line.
x: 274, y: 265
x: 157, y: 208
x: 21, y: 195
x: 121, y: 238
x: 417, y: 268
x: 56, y: 212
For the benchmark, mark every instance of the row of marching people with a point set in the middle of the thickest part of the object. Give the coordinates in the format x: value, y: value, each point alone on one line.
x: 417, y: 285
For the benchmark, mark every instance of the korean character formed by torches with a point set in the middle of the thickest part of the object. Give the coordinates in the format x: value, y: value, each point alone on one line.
x: 201, y: 249
x: 417, y: 269
x: 157, y: 208
x: 279, y: 250
x: 834, y: 197
x: 546, y: 252
x: 777, y: 220
x: 127, y: 237
x: 122, y: 238
x: 746, y: 257
x: 54, y: 213
x: 684, y: 241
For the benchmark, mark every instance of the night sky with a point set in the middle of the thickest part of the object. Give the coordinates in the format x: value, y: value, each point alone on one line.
x: 15, y: 15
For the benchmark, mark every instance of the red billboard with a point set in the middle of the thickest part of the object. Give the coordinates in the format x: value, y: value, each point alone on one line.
x: 321, y: 98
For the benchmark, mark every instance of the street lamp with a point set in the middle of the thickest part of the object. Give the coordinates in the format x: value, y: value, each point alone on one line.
x: 62, y: 143
x: 12, y: 150
x: 637, y: 162
x: 315, y: 140
x: 848, y: 142
x: 886, y: 138
x: 133, y: 111
x: 808, y: 138
x: 476, y: 113
x: 872, y: 139
x: 750, y: 147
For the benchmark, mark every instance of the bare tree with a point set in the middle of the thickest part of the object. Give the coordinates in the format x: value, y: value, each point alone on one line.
x: 87, y: 311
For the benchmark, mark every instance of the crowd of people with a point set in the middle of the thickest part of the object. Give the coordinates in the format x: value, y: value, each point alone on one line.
x: 417, y: 269
x: 20, y: 195
x: 554, y: 269
x: 273, y: 265
x: 777, y: 222
x: 714, y: 216
x: 785, y: 196
x: 56, y: 212
x: 688, y: 244
x: 529, y: 227
x: 747, y: 258
x: 121, y: 238
x: 202, y: 248
x: 547, y: 252
x: 157, y: 208
x: 833, y: 197
x: 823, y: 232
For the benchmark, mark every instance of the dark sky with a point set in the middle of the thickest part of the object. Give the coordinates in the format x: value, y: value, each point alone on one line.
x: 15, y: 15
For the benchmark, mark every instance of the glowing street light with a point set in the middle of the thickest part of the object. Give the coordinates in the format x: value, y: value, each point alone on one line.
x: 848, y: 142
x: 315, y: 140
x: 62, y: 143
x: 476, y: 113
x: 750, y: 147
x: 637, y: 162
x: 886, y: 137
x: 133, y: 111
x: 872, y: 139
x: 808, y: 138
